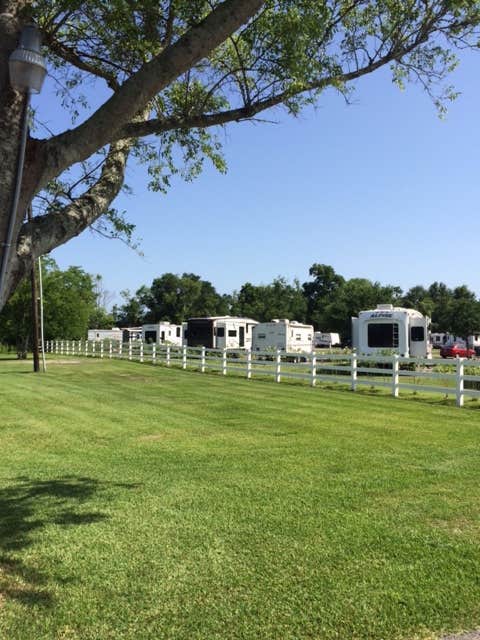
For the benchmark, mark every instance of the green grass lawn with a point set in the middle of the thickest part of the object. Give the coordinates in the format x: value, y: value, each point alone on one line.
x: 138, y: 502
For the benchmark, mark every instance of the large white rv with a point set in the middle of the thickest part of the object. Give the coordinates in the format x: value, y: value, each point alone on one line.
x: 162, y: 333
x: 220, y: 332
x: 105, y: 334
x: 389, y: 329
x: 286, y: 335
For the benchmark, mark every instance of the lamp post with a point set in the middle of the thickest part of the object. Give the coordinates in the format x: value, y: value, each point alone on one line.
x: 27, y: 72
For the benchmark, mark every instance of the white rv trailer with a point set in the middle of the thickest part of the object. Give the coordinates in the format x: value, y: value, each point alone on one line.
x: 97, y: 335
x: 438, y: 339
x: 322, y: 339
x: 220, y: 332
x: 162, y: 333
x: 286, y: 335
x: 389, y: 329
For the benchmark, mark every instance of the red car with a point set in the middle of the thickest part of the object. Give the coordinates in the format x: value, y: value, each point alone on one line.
x: 454, y: 350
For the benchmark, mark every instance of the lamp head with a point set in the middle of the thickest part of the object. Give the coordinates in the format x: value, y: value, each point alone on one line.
x: 26, y: 64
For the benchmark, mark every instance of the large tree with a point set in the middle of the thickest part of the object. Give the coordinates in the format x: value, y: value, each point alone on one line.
x: 175, y: 298
x: 265, y: 302
x: 69, y: 298
x: 175, y: 69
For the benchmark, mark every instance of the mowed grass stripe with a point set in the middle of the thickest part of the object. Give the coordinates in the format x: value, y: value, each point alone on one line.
x: 141, y: 502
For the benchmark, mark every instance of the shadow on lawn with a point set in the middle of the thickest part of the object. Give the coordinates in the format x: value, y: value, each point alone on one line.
x: 26, y: 507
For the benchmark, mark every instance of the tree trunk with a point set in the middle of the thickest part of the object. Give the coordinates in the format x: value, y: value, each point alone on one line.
x: 11, y: 109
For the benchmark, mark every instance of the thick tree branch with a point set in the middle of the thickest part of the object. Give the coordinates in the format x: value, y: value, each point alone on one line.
x: 202, y: 121
x: 48, y: 231
x: 75, y: 145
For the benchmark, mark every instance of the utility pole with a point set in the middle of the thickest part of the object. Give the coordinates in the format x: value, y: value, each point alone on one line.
x: 35, y: 331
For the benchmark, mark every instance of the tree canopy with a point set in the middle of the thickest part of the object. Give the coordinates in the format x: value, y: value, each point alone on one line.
x: 176, y: 70
x: 71, y: 306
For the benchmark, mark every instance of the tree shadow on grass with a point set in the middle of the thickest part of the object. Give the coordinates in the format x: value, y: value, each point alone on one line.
x: 26, y: 507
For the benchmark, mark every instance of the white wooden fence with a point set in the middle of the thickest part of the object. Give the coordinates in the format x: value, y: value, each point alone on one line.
x: 459, y: 377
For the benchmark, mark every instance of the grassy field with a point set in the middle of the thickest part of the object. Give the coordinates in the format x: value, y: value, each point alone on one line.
x: 144, y: 503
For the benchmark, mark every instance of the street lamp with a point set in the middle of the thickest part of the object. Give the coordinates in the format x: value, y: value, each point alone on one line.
x: 27, y: 72
x: 26, y: 64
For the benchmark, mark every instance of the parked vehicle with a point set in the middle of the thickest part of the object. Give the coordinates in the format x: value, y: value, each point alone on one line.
x: 322, y: 339
x: 163, y: 333
x: 389, y: 329
x: 457, y: 350
x: 218, y: 332
x: 286, y: 335
x: 104, y: 334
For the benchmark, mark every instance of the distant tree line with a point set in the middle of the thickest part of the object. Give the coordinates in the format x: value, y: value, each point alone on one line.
x: 75, y: 301
x: 327, y: 300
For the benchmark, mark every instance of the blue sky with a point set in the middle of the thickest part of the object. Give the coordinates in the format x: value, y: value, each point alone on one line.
x: 381, y: 188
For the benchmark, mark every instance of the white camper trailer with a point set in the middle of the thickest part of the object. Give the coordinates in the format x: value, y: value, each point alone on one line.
x: 286, y: 335
x: 322, y: 339
x: 389, y: 329
x: 97, y: 335
x: 220, y: 332
x: 162, y: 333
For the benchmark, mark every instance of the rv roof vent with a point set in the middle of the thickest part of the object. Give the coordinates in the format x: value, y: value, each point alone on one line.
x: 275, y: 320
x: 385, y: 307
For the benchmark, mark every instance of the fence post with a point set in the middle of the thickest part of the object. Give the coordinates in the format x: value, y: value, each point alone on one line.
x: 278, y: 365
x: 101, y: 349
x: 120, y: 349
x: 395, y: 376
x: 313, y: 369
x: 249, y: 364
x: 94, y: 348
x: 184, y: 356
x: 130, y: 349
x: 224, y: 361
x: 110, y: 350
x: 202, y: 360
x: 167, y: 357
x: 460, y: 381
x: 141, y: 350
x: 154, y: 353
x: 354, y: 371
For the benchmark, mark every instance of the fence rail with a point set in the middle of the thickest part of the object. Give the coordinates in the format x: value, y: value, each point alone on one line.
x: 458, y: 377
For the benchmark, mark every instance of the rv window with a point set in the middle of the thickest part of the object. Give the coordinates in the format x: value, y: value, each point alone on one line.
x: 298, y: 336
x: 262, y: 336
x: 178, y: 332
x: 150, y: 336
x: 232, y: 333
x: 417, y: 334
x: 383, y: 335
x: 220, y: 332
